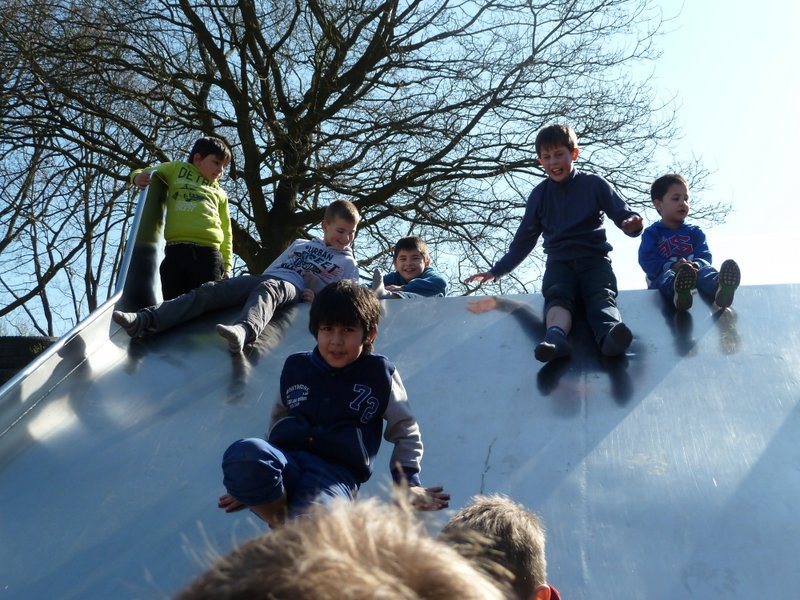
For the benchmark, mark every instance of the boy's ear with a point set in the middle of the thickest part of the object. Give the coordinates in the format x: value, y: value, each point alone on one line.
x: 372, y: 334
x: 575, y: 153
x: 541, y: 593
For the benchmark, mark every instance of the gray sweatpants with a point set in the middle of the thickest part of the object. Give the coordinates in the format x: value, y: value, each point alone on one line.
x: 259, y: 295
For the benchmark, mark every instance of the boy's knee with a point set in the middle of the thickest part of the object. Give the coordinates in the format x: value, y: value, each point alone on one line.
x: 561, y: 302
x: 252, y: 471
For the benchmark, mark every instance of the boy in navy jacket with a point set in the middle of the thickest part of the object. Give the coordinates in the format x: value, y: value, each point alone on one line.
x: 327, y: 425
x: 675, y: 256
x: 413, y: 276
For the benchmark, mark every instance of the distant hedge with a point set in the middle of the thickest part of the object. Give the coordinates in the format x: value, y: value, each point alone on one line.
x: 16, y: 351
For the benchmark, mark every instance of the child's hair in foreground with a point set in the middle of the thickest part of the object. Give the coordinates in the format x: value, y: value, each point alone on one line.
x: 366, y: 549
x: 660, y: 186
x: 345, y: 303
x: 210, y: 145
x: 516, y: 538
x: 413, y: 243
x: 342, y: 209
x: 556, y: 135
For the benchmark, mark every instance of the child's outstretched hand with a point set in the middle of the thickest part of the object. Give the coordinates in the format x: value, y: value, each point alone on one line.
x: 307, y: 295
x: 484, y: 277
x: 632, y: 225
x: 432, y: 498
x: 230, y: 504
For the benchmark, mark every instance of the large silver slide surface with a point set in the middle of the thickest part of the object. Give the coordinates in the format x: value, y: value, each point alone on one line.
x: 673, y: 472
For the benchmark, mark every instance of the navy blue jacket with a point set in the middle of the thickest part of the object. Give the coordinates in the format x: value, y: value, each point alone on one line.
x: 569, y: 216
x: 427, y: 285
x: 338, y: 414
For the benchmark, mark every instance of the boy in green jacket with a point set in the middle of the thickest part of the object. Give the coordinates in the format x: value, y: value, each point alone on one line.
x: 198, y: 226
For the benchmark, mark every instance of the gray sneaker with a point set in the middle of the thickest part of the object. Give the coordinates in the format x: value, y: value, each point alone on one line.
x: 136, y: 325
x: 683, y: 284
x: 729, y: 278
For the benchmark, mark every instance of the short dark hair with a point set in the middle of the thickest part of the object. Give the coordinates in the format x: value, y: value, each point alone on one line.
x: 660, y: 186
x: 342, y: 209
x: 210, y: 145
x: 412, y: 242
x: 345, y: 302
x: 556, y: 135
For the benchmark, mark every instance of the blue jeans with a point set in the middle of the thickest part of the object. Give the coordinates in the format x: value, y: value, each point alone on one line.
x: 707, y: 282
x: 590, y: 279
x: 256, y: 472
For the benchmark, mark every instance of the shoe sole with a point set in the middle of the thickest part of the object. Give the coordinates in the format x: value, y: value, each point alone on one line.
x: 685, y: 282
x: 729, y: 278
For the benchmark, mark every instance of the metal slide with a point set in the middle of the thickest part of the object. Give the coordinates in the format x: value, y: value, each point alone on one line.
x: 672, y: 472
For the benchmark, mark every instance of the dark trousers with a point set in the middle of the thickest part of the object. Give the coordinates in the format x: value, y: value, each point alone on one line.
x: 187, y: 266
x: 589, y: 279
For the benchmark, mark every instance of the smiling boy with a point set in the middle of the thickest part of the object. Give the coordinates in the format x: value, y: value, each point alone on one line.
x: 567, y: 209
x: 413, y: 276
x: 674, y: 254
x: 304, y: 268
x: 326, y: 426
x: 197, y: 227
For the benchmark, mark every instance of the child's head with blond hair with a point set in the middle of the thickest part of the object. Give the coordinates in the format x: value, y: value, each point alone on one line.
x: 367, y: 549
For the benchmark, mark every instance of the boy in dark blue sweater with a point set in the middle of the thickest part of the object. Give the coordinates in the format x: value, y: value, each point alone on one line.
x: 567, y: 209
x: 327, y: 424
x: 413, y: 276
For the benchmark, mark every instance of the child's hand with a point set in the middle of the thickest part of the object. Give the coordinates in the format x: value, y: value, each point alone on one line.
x: 230, y: 504
x: 484, y: 277
x: 142, y: 180
x: 632, y: 225
x: 393, y: 288
x: 307, y: 295
x: 432, y: 498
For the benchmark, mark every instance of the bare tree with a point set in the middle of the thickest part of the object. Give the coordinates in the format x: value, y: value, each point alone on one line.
x: 422, y: 112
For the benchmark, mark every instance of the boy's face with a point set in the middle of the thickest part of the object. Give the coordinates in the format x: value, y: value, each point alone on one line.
x: 339, y: 233
x: 410, y: 264
x: 340, y: 344
x: 674, y: 206
x: 211, y: 166
x: 557, y: 161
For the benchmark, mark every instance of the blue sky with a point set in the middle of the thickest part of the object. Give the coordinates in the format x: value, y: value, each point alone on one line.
x: 735, y: 68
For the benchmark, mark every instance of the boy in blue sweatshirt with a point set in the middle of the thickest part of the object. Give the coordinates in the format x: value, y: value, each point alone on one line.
x: 567, y: 209
x: 327, y: 424
x: 413, y: 276
x: 675, y: 256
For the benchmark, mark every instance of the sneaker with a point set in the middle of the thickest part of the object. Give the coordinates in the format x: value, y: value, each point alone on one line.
x: 236, y: 336
x: 546, y: 351
x: 617, y: 340
x: 136, y: 325
x: 729, y: 278
x: 684, y: 282
x: 554, y: 345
